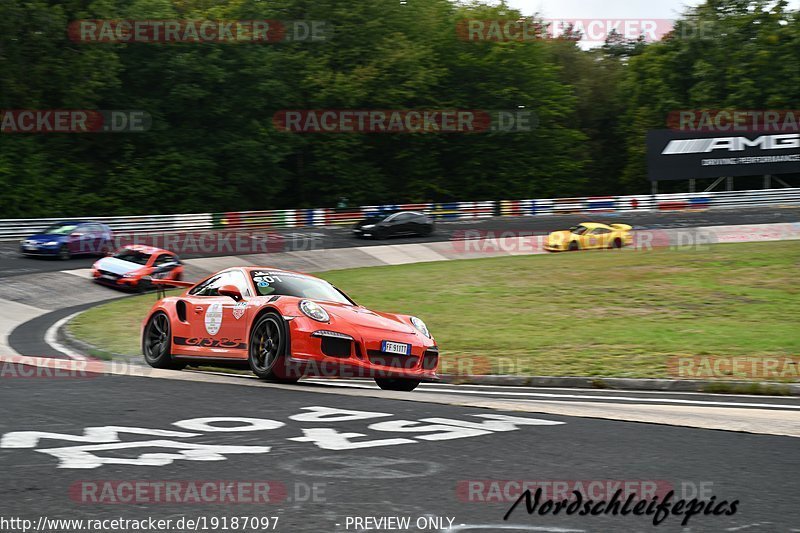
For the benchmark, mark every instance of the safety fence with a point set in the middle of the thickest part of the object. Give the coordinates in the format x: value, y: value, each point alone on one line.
x: 299, y: 218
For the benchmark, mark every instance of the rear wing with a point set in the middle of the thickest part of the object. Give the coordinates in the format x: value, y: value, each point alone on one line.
x: 162, y: 285
x: 621, y: 227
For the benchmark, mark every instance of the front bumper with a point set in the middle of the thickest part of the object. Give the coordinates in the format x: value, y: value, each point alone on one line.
x: 39, y: 249
x: 358, y: 232
x: 111, y: 281
x: 360, y: 355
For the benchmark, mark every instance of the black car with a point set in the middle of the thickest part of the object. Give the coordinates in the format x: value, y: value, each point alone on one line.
x: 384, y: 225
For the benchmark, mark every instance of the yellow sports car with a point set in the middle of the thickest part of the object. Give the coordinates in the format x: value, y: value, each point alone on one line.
x: 589, y: 235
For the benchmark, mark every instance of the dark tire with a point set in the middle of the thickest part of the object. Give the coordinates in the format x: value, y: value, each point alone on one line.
x: 63, y: 252
x: 157, y: 343
x: 266, y: 351
x: 397, y: 384
x: 573, y: 246
x: 427, y: 230
x: 617, y: 243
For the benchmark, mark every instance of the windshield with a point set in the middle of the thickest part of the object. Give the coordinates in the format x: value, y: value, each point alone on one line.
x: 377, y: 217
x: 60, y: 229
x: 132, y: 256
x: 578, y: 230
x: 289, y: 284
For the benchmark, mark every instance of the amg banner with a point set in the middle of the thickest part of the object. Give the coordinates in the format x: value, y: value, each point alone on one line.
x: 679, y: 155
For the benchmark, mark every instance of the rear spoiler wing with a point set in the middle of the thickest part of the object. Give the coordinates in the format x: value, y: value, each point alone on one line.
x: 621, y: 227
x: 162, y: 285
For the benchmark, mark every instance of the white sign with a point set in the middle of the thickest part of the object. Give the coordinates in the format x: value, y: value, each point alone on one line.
x: 213, y: 318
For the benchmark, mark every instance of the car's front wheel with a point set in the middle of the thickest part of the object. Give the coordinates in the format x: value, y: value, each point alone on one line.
x: 157, y: 343
x: 63, y: 252
x: 573, y: 246
x: 267, y: 349
x: 406, y: 385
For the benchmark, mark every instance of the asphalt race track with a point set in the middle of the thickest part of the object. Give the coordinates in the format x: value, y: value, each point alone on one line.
x: 13, y: 264
x: 326, y: 455
x: 316, y: 488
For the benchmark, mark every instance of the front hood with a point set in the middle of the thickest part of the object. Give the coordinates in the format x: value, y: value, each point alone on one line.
x: 362, y: 317
x: 44, y: 237
x: 367, y: 222
x: 359, y: 317
x: 116, y: 266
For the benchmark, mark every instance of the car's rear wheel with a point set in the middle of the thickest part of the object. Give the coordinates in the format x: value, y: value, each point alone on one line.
x: 617, y: 243
x: 406, y: 385
x: 157, y: 343
x: 63, y: 252
x: 267, y: 349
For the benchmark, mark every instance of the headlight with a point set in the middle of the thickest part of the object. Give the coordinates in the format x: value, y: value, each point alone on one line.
x: 51, y: 243
x: 129, y: 274
x: 314, y: 311
x: 420, y: 325
x: 368, y: 226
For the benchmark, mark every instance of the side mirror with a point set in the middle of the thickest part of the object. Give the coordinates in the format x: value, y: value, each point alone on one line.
x: 232, y: 291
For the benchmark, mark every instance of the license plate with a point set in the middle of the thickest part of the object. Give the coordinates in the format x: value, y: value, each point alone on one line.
x: 396, y: 347
x: 29, y: 246
x: 107, y: 276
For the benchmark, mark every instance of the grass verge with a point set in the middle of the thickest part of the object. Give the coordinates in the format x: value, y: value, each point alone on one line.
x: 615, y: 314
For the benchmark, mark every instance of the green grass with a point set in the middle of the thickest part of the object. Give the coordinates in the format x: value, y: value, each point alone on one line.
x: 590, y: 313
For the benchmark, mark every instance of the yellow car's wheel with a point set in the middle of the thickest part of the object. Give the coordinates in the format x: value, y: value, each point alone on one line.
x: 573, y: 246
x: 616, y: 243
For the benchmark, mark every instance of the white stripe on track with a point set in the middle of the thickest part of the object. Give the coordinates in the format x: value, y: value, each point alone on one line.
x: 584, y: 397
x: 51, y: 338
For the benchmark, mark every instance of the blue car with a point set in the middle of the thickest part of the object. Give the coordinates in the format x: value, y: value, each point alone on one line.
x: 69, y: 238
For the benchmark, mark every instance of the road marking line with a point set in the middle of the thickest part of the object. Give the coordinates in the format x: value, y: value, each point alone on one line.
x: 625, y: 399
x: 51, y: 338
x: 577, y: 396
x: 80, y: 272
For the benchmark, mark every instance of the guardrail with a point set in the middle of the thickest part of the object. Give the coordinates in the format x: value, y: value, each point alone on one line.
x: 296, y: 218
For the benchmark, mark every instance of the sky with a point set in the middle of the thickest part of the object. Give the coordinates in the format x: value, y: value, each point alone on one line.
x: 609, y: 8
x: 658, y: 14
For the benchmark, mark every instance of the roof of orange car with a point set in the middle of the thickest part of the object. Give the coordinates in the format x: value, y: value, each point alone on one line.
x: 143, y: 248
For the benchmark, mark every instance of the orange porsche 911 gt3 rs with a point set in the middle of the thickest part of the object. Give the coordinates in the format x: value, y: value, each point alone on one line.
x: 286, y: 325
